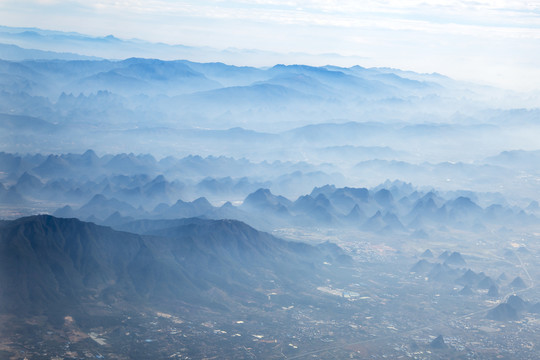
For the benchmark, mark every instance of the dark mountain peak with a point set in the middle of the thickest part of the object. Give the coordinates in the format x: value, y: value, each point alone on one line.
x: 444, y: 255
x: 89, y: 158
x: 455, y: 259
x: 438, y: 343
x: 307, y: 202
x: 143, y: 227
x: 432, y: 194
x: 304, y: 199
x: 183, y: 209
x: 178, y: 202
x: 503, y: 312
x: 47, y: 221
x: 238, y: 243
x: 464, y: 203
x: 517, y: 303
x: 202, y: 202
x: 58, y: 262
x: 28, y: 180
x: 89, y: 154
x: 355, y: 215
x: 442, y: 273
x: 263, y: 198
x: 158, y: 179
x: 52, y: 166
x: 375, y: 222
x: 227, y: 205
x: 260, y: 195
x: 322, y: 200
x: 427, y: 254
x: 157, y: 189
x: 227, y: 226
x: 116, y: 218
x: 468, y: 278
x: 392, y: 222
x: 485, y: 283
x: 314, y: 210
x: 421, y: 267
x: 518, y: 283
x: 425, y: 204
x: 101, y: 207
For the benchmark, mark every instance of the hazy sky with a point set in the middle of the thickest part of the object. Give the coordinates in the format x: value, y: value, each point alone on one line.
x: 492, y: 41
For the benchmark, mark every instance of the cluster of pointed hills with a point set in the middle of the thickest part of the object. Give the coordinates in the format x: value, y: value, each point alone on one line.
x: 369, y: 210
x: 451, y: 268
x: 115, y: 189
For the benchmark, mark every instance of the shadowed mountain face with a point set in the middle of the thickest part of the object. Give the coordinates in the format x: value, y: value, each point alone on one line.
x: 55, y: 266
x: 50, y: 264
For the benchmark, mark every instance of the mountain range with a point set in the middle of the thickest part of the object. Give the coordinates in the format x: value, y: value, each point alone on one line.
x: 59, y: 267
x: 352, y: 125
x: 113, y: 189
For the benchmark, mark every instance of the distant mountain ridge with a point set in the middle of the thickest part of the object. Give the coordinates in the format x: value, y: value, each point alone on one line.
x: 353, y: 121
x: 15, y: 53
x: 112, y: 47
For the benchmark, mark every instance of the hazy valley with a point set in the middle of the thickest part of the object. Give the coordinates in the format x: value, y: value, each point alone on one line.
x: 196, y: 210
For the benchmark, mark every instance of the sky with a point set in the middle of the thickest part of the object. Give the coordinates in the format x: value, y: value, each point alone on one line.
x: 492, y: 42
